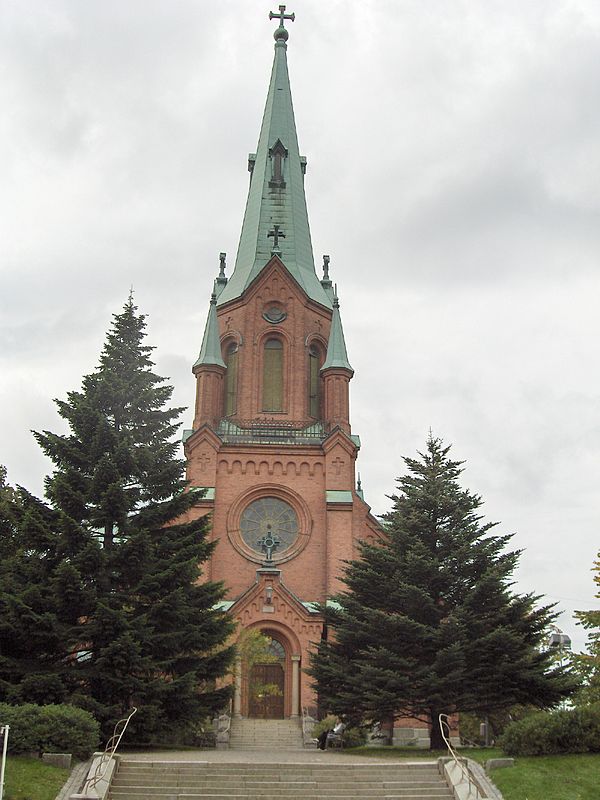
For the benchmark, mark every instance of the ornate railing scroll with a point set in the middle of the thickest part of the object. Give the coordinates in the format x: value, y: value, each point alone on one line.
x: 460, y: 762
x: 108, y: 754
x: 308, y: 723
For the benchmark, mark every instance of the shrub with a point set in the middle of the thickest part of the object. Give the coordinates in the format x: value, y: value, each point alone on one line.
x: 550, y: 732
x: 354, y: 737
x: 328, y: 723
x: 50, y: 729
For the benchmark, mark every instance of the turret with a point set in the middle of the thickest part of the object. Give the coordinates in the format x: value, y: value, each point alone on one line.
x: 337, y: 373
x: 209, y: 370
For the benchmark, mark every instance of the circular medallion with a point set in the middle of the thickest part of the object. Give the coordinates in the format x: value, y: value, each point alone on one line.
x: 269, y: 526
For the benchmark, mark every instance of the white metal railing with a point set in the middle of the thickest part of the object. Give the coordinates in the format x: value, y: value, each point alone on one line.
x: 108, y: 754
x: 222, y: 726
x: 460, y: 762
x: 4, y: 729
x: 307, y: 721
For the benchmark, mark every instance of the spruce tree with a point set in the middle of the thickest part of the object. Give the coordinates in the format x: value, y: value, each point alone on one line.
x: 587, y: 664
x: 35, y: 616
x: 143, y: 628
x: 428, y: 623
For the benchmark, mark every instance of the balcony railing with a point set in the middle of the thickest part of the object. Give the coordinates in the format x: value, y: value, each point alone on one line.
x: 271, y: 431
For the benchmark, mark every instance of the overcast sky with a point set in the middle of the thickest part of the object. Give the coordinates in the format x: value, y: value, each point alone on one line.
x: 453, y: 177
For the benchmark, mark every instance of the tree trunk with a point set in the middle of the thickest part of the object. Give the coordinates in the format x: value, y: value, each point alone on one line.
x: 435, y: 734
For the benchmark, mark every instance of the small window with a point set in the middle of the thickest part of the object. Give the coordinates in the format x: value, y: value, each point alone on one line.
x: 314, y: 381
x: 273, y: 376
x: 231, y: 362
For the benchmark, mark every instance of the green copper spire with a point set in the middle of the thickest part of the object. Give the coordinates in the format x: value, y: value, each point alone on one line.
x: 336, y: 347
x: 210, y: 352
x: 276, y: 219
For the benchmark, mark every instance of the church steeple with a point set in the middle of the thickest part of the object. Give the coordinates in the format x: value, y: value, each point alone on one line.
x: 276, y: 218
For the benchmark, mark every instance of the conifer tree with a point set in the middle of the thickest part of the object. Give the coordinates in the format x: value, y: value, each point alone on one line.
x: 142, y: 628
x: 32, y: 632
x: 428, y: 623
x: 587, y: 664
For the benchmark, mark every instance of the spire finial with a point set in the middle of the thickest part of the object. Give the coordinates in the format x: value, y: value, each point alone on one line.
x: 358, y: 484
x: 336, y: 301
x: 213, y: 297
x: 281, y: 34
x: 221, y: 281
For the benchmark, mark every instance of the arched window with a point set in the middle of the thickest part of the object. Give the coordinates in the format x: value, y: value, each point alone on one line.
x: 231, y: 362
x: 314, y: 381
x: 273, y: 376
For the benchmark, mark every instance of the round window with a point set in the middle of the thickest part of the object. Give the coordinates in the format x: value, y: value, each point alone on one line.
x: 269, y: 526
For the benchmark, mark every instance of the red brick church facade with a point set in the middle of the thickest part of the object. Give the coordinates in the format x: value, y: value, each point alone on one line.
x: 271, y: 442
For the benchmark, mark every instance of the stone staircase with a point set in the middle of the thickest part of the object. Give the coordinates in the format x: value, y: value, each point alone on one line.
x: 137, y: 780
x: 266, y: 734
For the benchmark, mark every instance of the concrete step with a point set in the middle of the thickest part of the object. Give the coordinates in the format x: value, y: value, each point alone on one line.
x: 137, y: 780
x: 265, y: 734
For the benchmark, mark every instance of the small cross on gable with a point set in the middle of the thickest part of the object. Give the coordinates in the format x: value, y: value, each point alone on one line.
x: 276, y: 235
x: 338, y: 464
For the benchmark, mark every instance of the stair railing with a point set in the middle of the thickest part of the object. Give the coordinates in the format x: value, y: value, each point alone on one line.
x: 460, y: 762
x: 109, y: 751
x: 308, y: 723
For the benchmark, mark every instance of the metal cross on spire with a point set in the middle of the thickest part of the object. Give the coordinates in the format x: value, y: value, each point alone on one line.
x: 276, y: 235
x: 282, y: 16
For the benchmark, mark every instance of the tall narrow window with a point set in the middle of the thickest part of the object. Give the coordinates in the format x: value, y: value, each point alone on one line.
x: 314, y: 381
x: 273, y: 376
x: 231, y: 362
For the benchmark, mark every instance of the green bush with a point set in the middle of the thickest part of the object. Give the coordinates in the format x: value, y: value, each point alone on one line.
x: 354, y: 737
x: 50, y: 729
x: 576, y: 730
x: 328, y: 723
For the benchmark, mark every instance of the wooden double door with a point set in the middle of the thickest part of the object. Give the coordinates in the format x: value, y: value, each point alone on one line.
x: 267, y: 687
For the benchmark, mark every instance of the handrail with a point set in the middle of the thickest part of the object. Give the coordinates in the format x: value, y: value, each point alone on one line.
x: 107, y: 755
x: 223, y: 732
x: 306, y: 735
x: 464, y: 769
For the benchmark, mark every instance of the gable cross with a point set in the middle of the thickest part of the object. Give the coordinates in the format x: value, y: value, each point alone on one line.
x: 204, y: 459
x: 338, y: 464
x: 282, y: 16
x: 276, y: 235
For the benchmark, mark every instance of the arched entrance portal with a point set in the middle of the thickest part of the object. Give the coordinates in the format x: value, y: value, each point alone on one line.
x: 266, y: 684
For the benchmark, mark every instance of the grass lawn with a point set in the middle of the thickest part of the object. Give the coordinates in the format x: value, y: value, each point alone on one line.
x: 570, y: 777
x: 30, y: 779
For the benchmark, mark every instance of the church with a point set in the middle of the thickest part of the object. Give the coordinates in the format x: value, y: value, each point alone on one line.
x: 272, y: 443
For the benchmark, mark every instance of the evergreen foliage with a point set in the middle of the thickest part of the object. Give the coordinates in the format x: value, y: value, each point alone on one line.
x: 32, y: 632
x: 120, y: 558
x: 587, y: 664
x: 428, y: 623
